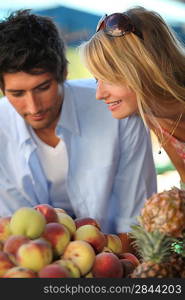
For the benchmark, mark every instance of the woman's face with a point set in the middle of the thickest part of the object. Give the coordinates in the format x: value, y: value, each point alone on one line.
x: 120, y: 99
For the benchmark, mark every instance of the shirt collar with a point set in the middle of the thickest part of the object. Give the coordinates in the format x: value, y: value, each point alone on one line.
x: 69, y: 118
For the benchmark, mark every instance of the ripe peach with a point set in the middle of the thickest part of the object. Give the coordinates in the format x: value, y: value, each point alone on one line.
x: 35, y: 254
x: 54, y: 271
x: 5, y: 231
x: 86, y: 220
x: 60, y: 210
x: 12, y: 245
x: 20, y: 272
x: 114, y: 243
x: 92, y: 235
x: 48, y: 212
x: 128, y: 266
x: 68, y: 221
x: 5, y: 263
x: 131, y: 257
x: 82, y: 254
x: 107, y: 265
x: 72, y: 268
x: 59, y: 237
x: 1, y: 246
x: 28, y: 222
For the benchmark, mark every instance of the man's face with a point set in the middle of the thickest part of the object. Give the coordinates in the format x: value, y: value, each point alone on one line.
x: 37, y: 98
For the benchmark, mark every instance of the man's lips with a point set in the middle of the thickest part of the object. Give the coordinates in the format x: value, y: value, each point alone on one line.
x: 37, y: 117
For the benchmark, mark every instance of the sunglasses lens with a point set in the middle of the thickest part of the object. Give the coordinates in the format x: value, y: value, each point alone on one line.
x: 117, y: 24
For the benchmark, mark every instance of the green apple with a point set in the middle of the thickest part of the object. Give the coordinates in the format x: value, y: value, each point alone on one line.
x: 28, y: 222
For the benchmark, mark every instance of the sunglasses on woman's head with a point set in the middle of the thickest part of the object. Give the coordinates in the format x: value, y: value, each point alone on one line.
x: 117, y: 25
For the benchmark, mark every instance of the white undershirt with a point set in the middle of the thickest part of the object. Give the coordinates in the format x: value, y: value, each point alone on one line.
x: 54, y: 161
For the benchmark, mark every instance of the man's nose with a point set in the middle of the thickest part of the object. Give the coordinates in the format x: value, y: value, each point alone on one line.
x: 33, y: 103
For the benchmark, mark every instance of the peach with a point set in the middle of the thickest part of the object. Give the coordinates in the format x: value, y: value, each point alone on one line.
x: 59, y: 237
x: 128, y: 266
x: 114, y: 243
x: 127, y: 243
x: 131, y: 257
x: 107, y: 265
x: 106, y: 249
x: 5, y: 231
x: 20, y: 272
x: 54, y: 271
x: 12, y: 245
x: 1, y: 246
x: 5, y: 263
x: 89, y: 275
x: 82, y: 254
x: 72, y: 268
x: 48, y: 212
x: 86, y: 220
x: 60, y: 210
x: 35, y: 254
x: 68, y: 221
x: 92, y: 235
x: 28, y: 222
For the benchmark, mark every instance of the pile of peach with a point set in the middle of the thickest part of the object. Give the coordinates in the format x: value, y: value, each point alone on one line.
x: 44, y: 241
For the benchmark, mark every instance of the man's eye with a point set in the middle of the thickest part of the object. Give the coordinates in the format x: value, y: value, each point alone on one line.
x: 44, y: 88
x: 17, y: 94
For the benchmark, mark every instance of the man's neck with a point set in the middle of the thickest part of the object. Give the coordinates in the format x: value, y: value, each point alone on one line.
x: 48, y: 135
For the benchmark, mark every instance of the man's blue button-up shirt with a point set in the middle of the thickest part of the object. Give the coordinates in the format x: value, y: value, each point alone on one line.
x: 111, y: 170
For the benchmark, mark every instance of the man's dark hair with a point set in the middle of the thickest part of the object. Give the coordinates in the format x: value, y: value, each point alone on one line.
x: 32, y: 44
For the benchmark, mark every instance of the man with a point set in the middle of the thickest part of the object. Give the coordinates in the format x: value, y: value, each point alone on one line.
x: 58, y: 145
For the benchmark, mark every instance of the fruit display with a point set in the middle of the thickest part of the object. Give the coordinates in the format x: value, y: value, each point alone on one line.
x: 160, y: 236
x: 46, y: 242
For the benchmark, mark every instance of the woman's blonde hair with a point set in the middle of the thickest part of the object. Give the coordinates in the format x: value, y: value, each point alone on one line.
x: 154, y: 68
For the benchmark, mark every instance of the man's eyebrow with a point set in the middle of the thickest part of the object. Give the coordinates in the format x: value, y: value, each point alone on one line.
x: 36, y: 87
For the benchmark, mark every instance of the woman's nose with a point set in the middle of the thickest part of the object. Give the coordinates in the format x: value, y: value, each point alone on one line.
x: 101, y: 91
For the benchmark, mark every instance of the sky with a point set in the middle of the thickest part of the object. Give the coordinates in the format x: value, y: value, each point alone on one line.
x: 164, y: 7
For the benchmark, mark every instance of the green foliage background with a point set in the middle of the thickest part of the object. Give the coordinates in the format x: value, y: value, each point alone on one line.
x: 76, y: 69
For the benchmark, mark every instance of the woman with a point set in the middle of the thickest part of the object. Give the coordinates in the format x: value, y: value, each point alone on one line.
x: 140, y: 68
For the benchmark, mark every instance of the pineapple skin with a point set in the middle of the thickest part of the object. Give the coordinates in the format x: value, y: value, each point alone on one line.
x: 165, y: 212
x: 152, y: 270
x: 178, y: 265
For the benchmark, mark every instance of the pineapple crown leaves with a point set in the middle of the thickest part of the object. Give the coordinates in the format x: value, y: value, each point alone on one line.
x: 151, y: 246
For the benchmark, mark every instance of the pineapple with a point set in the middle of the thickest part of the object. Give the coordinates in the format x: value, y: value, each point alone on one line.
x: 154, y: 249
x: 178, y: 265
x: 165, y: 212
x: 178, y: 257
